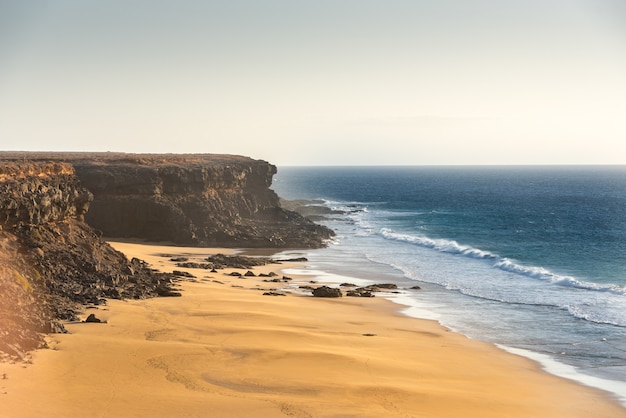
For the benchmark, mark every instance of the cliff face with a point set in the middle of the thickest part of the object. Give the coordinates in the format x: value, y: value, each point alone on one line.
x: 51, y: 262
x: 40, y: 193
x: 198, y: 200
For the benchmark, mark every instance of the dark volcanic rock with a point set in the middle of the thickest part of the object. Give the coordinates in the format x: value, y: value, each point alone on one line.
x: 327, y: 292
x: 183, y: 274
x: 192, y: 265
x: 51, y: 262
x: 368, y: 291
x: 198, y: 199
x: 220, y: 261
x: 361, y: 292
x: 164, y: 290
x: 93, y: 318
x: 271, y: 293
x: 188, y: 199
x: 386, y: 286
x: 294, y: 260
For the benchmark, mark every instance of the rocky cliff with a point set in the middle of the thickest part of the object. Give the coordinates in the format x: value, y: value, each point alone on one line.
x: 197, y: 199
x: 51, y: 262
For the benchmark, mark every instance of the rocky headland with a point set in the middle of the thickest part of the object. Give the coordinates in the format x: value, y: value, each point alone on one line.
x: 187, y: 199
x: 55, y: 208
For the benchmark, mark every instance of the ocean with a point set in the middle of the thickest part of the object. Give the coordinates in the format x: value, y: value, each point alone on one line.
x: 531, y: 258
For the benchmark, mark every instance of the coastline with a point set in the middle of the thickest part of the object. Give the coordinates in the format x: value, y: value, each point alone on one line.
x: 230, y: 351
x: 408, y: 305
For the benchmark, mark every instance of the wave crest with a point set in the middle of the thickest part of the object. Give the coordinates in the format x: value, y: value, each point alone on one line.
x: 544, y: 274
x: 505, y: 264
x: 442, y: 245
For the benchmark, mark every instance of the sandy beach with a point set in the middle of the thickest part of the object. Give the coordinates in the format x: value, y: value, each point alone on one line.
x: 224, y: 349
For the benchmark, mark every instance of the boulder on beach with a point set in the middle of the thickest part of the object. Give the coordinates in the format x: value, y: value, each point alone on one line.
x: 327, y: 292
x: 93, y: 318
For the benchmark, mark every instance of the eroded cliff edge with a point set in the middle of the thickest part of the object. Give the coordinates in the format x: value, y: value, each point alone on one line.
x: 193, y: 199
x: 51, y: 262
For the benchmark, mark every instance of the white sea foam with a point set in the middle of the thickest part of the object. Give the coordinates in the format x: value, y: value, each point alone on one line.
x: 570, y: 372
x: 453, y: 247
x: 448, y: 246
x: 415, y: 309
x: 544, y: 274
x: 425, y: 310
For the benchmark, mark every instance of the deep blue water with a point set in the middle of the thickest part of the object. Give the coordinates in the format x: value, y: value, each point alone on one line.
x: 527, y: 257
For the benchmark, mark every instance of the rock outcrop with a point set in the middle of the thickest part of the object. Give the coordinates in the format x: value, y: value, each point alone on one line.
x: 51, y: 262
x: 54, y: 209
x: 327, y: 292
x: 195, y: 199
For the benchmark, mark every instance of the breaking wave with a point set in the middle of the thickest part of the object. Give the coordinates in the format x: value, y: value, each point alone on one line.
x: 505, y: 264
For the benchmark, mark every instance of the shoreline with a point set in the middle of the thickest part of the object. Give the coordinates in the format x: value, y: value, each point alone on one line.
x: 409, y: 307
x: 223, y: 347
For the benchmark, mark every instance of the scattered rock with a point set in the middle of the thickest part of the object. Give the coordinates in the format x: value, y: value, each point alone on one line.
x: 93, y: 318
x: 374, y: 288
x: 347, y: 285
x: 237, y: 261
x: 193, y: 265
x: 327, y: 292
x: 179, y: 259
x: 386, y: 286
x: 416, y: 288
x: 250, y: 273
x: 360, y: 293
x: 166, y: 291
x: 183, y: 274
x: 273, y: 294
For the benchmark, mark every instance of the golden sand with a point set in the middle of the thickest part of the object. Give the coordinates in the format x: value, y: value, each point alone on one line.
x: 224, y: 349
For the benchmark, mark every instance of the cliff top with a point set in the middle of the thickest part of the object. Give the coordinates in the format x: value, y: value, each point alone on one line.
x: 15, y: 170
x: 121, y: 158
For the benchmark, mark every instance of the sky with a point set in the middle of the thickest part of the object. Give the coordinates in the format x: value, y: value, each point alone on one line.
x: 341, y: 82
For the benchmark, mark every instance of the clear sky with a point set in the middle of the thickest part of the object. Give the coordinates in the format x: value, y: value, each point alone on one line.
x: 319, y: 82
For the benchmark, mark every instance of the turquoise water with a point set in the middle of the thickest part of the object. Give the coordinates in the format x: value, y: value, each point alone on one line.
x: 532, y: 258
